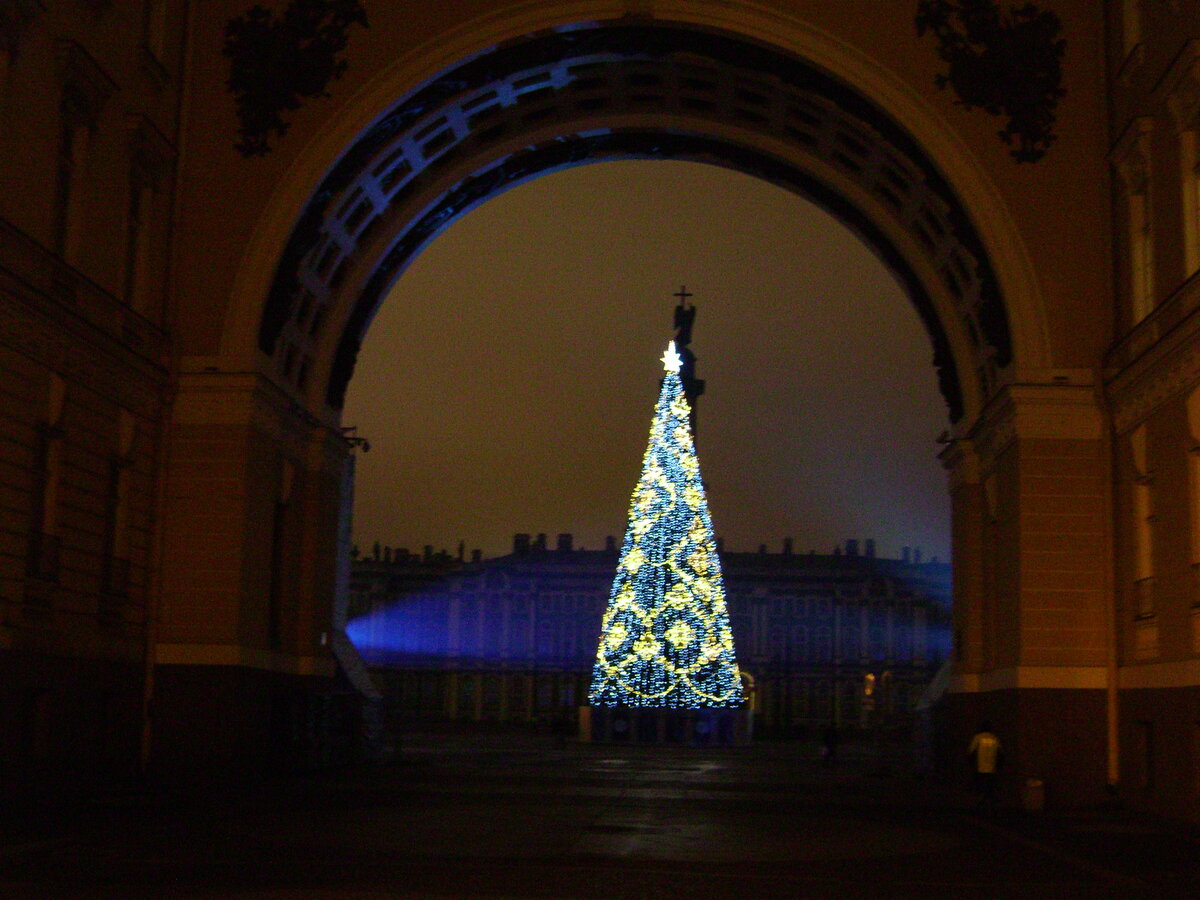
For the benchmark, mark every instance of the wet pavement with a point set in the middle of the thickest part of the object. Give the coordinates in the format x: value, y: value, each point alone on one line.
x: 520, y: 816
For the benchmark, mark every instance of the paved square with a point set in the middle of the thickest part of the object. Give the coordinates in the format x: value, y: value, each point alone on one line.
x: 518, y: 816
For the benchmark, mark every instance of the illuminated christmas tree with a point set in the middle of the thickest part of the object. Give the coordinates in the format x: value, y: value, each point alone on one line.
x: 665, y: 639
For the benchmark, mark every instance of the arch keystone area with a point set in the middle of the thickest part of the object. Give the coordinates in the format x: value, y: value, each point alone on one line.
x: 643, y: 88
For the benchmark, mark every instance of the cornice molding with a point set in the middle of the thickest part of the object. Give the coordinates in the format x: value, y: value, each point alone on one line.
x: 255, y: 401
x: 1031, y: 678
x: 64, y: 321
x: 181, y: 654
x: 961, y: 462
x: 1035, y: 412
x: 39, y: 331
x: 1167, y: 370
x: 1184, y: 673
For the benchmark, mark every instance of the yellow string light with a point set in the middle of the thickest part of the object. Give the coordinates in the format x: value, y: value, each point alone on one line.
x: 666, y: 639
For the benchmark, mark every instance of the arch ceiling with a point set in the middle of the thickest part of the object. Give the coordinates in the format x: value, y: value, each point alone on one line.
x: 592, y: 93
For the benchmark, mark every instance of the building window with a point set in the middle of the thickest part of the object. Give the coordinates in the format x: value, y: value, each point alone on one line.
x: 1189, y: 162
x: 114, y: 588
x: 1196, y: 760
x: 1140, y: 239
x: 151, y: 161
x: 1131, y: 159
x: 759, y: 640
x: 43, y: 552
x: 821, y: 698
x: 278, y: 583
x: 848, y: 697
x: 135, y: 243
x: 824, y: 648
x: 154, y: 28
x: 72, y: 146
x: 920, y: 637
x: 1182, y: 86
x: 850, y: 648
x: 1143, y: 526
x: 276, y: 590
x: 1131, y: 25
x: 777, y: 638
x: 800, y: 698
x: 86, y: 88
x: 14, y: 21
x: 799, y: 649
x: 1143, y: 512
x: 1193, y: 415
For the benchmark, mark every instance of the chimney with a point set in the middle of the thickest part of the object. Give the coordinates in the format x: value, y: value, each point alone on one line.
x: 610, y: 544
x: 462, y: 549
x: 476, y: 556
x: 870, y: 551
x: 852, y: 547
x: 428, y: 553
x: 520, y: 544
x: 906, y: 554
x: 787, y: 546
x: 540, y: 543
x: 762, y: 549
x: 565, y: 543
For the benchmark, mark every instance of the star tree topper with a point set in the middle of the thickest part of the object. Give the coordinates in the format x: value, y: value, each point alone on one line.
x: 671, y: 360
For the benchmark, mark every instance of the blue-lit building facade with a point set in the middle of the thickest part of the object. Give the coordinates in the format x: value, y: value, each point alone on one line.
x: 844, y: 637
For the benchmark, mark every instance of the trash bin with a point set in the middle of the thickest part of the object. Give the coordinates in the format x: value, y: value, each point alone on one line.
x: 1033, y: 795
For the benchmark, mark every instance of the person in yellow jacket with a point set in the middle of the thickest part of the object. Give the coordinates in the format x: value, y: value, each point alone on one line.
x: 984, y: 754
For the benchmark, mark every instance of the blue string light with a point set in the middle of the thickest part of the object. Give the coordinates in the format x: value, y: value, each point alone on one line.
x: 665, y: 639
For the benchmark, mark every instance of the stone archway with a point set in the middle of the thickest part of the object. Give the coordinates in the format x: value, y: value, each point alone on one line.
x: 648, y: 90
x: 509, y: 99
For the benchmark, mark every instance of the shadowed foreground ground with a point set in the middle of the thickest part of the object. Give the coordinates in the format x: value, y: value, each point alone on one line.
x: 514, y: 816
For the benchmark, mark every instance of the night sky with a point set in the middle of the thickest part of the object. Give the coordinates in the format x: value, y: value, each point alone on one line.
x: 508, y: 382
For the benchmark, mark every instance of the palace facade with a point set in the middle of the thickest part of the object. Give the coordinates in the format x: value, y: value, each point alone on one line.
x: 821, y: 638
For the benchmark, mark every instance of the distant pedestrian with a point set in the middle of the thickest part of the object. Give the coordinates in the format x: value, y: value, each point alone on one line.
x: 984, y: 755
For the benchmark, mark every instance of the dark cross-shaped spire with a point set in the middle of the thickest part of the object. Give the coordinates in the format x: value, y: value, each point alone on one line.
x: 685, y: 315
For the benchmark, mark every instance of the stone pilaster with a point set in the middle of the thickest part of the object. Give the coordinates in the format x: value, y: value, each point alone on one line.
x: 245, y: 613
x: 1030, y: 525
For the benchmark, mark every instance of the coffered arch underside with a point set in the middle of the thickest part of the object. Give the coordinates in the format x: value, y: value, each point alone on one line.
x: 569, y: 97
